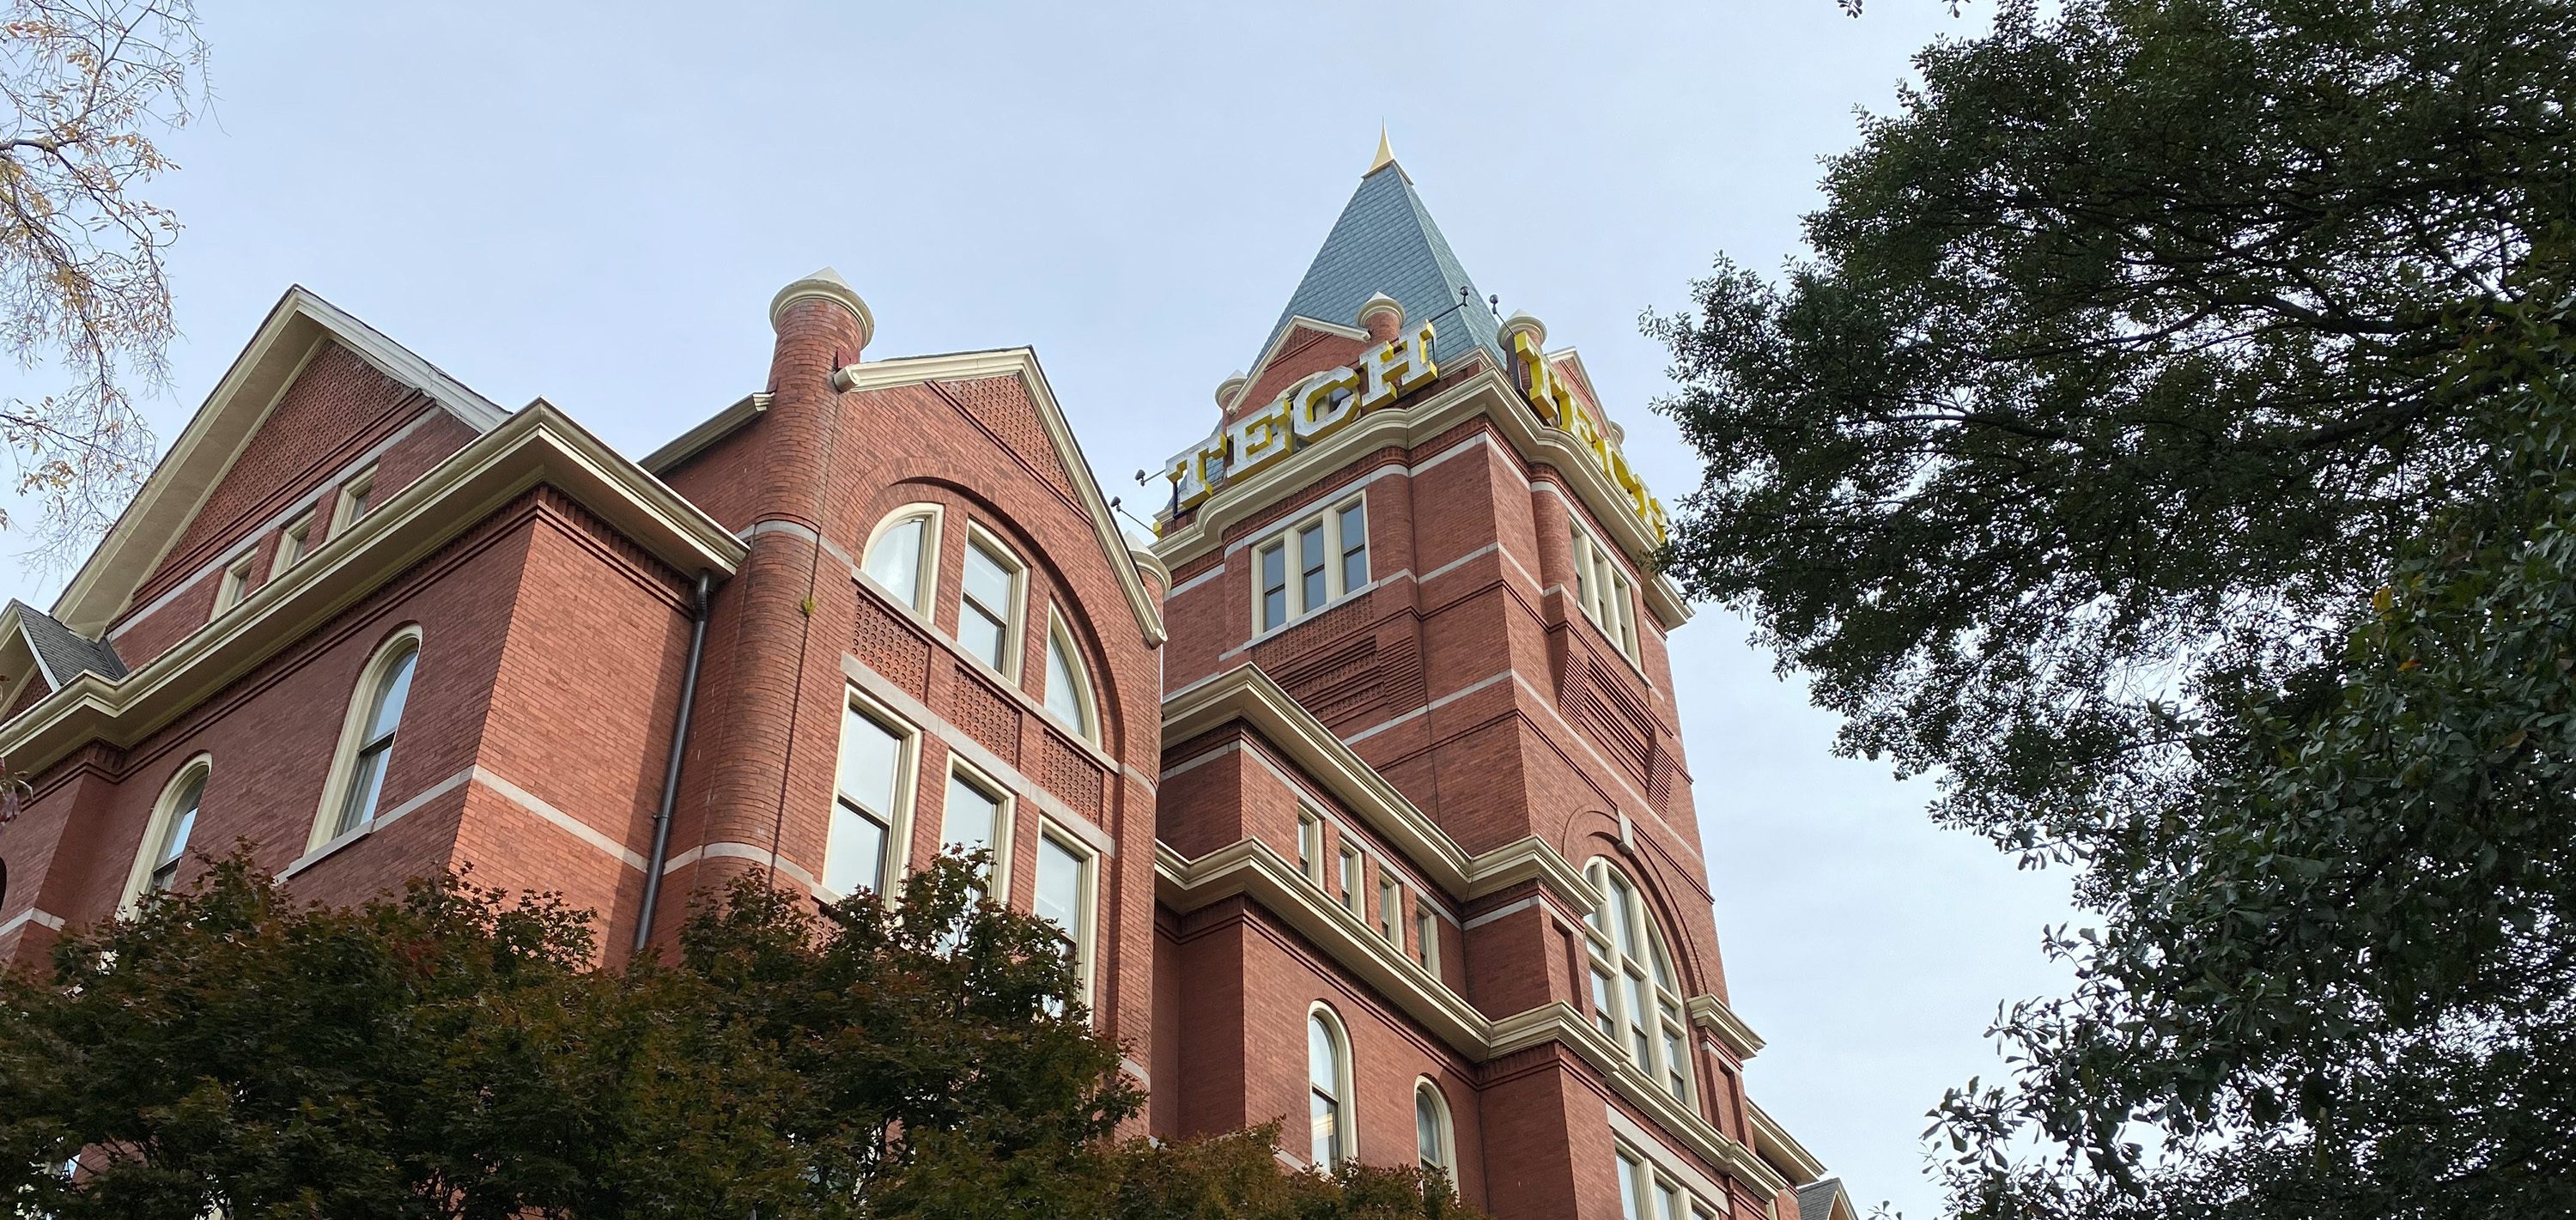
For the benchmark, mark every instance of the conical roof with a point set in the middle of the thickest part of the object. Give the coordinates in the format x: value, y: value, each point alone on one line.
x: 1386, y: 242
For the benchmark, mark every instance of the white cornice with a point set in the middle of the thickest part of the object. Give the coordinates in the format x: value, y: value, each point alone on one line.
x: 216, y: 435
x: 699, y: 439
x: 1251, y: 869
x: 1485, y: 393
x: 1781, y: 1151
x: 1712, y: 1014
x: 537, y: 445
x: 1247, y: 694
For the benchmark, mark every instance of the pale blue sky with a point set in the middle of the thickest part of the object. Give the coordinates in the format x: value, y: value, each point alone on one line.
x: 595, y: 206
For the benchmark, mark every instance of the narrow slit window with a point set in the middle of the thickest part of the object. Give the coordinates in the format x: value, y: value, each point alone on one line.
x: 1351, y: 880
x: 1386, y: 906
x: 1312, y: 565
x: 1426, y: 938
x: 1310, y: 847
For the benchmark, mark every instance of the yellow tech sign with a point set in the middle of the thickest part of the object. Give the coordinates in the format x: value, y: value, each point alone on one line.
x: 1322, y: 403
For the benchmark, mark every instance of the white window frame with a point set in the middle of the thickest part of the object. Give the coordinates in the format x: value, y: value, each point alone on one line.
x: 1444, y: 1129
x: 233, y: 584
x: 1086, y: 895
x: 1310, y: 845
x: 1014, y: 638
x: 357, y: 496
x: 1346, y: 1132
x: 293, y: 543
x: 1665, y: 1026
x: 1354, y: 879
x: 1656, y: 1194
x: 1390, y: 901
x: 997, y: 884
x: 157, y: 827
x: 1426, y: 935
x: 907, y: 766
x: 353, y: 729
x: 1060, y: 635
x: 1284, y: 540
x: 1611, y: 605
x: 926, y: 565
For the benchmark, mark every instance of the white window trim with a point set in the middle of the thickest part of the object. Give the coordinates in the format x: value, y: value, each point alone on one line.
x: 1087, y: 892
x: 1060, y: 635
x: 232, y: 585
x: 907, y: 766
x: 344, y: 508
x: 1352, y: 866
x: 997, y: 886
x: 1310, y: 830
x: 1426, y: 935
x: 158, y: 826
x: 1660, y: 1171
x: 1602, y: 949
x: 1346, y: 1130
x: 1336, y: 590
x: 299, y: 532
x: 1014, y: 639
x: 926, y: 576
x: 353, y: 728
x: 1444, y: 1128
x: 1619, y: 604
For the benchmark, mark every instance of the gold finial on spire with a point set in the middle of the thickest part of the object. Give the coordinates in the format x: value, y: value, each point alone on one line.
x: 1385, y: 153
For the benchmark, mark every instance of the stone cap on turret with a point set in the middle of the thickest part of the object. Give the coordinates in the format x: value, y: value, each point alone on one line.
x: 826, y: 285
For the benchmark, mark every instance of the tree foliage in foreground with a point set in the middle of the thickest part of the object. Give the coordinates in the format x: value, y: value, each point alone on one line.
x: 2169, y: 443
x: 453, y: 1053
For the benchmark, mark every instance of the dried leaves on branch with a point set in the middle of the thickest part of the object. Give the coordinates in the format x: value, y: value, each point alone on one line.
x: 82, y: 283
x: 2169, y: 443
x: 453, y: 1053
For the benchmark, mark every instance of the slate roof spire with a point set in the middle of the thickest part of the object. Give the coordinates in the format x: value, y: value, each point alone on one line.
x: 1386, y: 241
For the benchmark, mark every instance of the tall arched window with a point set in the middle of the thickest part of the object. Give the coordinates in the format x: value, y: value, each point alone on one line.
x: 1068, y: 686
x: 367, y: 738
x: 903, y: 554
x: 1433, y: 1135
x: 165, y: 836
x: 1636, y: 998
x: 1328, y: 1089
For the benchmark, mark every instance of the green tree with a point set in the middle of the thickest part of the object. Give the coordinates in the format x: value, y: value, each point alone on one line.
x: 2166, y: 444
x: 452, y: 1052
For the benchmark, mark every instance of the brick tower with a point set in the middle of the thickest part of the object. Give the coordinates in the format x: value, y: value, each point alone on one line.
x: 1431, y: 885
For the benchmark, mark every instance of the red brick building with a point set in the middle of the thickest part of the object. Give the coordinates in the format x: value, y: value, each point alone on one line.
x: 1360, y: 788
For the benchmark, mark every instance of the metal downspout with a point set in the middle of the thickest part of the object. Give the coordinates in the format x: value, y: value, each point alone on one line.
x: 679, y: 750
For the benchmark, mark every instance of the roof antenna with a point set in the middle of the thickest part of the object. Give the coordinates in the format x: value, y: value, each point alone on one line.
x: 1495, y: 304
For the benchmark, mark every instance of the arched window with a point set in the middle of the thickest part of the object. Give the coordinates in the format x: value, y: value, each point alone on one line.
x: 1068, y: 687
x: 165, y: 836
x: 367, y: 738
x: 1636, y: 998
x: 1433, y: 1135
x: 1328, y: 1088
x: 903, y: 554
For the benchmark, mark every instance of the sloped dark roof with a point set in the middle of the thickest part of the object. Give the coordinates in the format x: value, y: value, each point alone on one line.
x: 1816, y: 1199
x: 62, y: 650
x: 1386, y: 242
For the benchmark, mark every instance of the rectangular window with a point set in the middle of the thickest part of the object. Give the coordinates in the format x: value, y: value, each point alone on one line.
x: 1312, y: 587
x: 1351, y: 880
x: 1426, y: 938
x: 1632, y: 1187
x: 1605, y: 593
x: 972, y: 821
x: 1671, y: 1198
x: 291, y: 545
x: 1274, y: 585
x: 1310, y: 564
x: 1310, y: 846
x: 356, y: 497
x: 1063, y: 894
x: 1601, y: 1014
x: 1354, y: 532
x: 1637, y: 1010
x: 1386, y: 924
x: 232, y: 586
x: 1675, y: 1063
x: 870, y: 776
x: 984, y: 612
